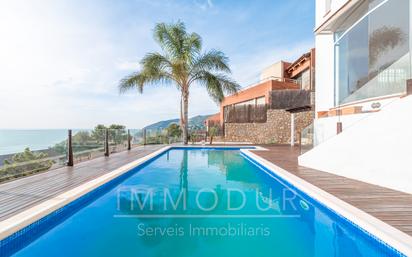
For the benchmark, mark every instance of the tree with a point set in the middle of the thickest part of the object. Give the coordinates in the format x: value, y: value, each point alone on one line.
x: 174, y: 130
x: 98, y: 133
x: 81, y: 138
x: 184, y: 64
x: 117, y: 134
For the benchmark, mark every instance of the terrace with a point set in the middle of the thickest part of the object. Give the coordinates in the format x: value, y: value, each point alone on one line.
x: 22, y: 194
x: 389, y: 206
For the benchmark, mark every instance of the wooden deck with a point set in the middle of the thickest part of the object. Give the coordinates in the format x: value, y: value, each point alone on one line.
x: 390, y: 206
x: 21, y: 194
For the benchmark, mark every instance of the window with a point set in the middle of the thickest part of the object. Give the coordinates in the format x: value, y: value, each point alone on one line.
x: 304, y: 80
x: 372, y: 53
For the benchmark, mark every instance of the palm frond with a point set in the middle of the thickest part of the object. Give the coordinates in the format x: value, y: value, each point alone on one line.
x: 156, y: 62
x: 156, y: 68
x: 211, y: 61
x: 192, y: 45
x: 217, y: 84
x: 171, y: 38
x: 132, y: 81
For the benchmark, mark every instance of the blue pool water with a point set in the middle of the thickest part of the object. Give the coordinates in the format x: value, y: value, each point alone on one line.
x: 194, y: 203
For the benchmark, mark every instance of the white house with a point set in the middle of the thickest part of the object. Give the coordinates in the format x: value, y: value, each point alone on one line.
x: 363, y: 125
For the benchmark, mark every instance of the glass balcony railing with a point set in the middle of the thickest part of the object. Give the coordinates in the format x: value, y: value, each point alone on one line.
x: 28, y: 152
x: 118, y: 140
x: 372, y: 56
x: 306, y: 139
x: 88, y: 144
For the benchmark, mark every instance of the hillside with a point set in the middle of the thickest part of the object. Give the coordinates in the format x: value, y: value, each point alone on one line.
x: 196, y: 121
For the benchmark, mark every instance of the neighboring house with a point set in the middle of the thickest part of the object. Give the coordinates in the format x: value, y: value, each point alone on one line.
x: 273, y: 110
x: 363, y: 114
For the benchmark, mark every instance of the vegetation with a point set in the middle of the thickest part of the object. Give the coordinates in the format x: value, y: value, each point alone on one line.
x: 85, y: 140
x: 25, y: 163
x: 196, y: 121
x: 213, y: 132
x: 183, y: 64
x: 174, y: 130
x: 193, y: 137
x: 117, y: 133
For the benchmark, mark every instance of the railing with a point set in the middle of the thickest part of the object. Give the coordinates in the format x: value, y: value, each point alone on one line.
x: 373, y: 57
x: 286, y: 80
x: 327, y: 128
x: 17, y: 159
x: 289, y: 99
x: 27, y: 152
x: 245, y: 113
x: 306, y: 141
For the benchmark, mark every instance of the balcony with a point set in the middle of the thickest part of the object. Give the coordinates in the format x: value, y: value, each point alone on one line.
x: 290, y: 99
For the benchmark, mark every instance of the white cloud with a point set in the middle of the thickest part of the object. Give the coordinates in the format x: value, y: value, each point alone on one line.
x: 127, y: 65
x: 60, y: 61
x: 204, y: 4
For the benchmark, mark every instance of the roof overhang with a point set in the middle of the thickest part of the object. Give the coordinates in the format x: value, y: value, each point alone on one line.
x: 333, y: 20
x: 305, y: 57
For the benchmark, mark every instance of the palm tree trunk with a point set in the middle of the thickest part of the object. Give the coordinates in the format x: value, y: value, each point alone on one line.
x: 185, y: 120
x: 181, y: 112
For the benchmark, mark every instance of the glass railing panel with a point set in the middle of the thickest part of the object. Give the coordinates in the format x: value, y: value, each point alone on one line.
x: 326, y: 128
x: 373, y: 56
x: 197, y: 136
x: 156, y: 136
x: 117, y: 140
x: 307, y: 139
x: 136, y: 136
x: 88, y: 144
x: 28, y: 152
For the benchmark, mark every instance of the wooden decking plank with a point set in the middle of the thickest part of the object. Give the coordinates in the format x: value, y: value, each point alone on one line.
x: 390, y: 206
x: 21, y: 194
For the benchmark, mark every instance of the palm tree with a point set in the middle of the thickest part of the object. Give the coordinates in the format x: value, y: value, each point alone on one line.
x: 182, y: 63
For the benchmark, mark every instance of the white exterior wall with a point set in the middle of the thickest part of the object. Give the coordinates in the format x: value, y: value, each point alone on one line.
x: 274, y: 70
x: 325, y: 128
x: 321, y: 15
x: 324, y: 77
x: 373, y: 147
x: 375, y: 150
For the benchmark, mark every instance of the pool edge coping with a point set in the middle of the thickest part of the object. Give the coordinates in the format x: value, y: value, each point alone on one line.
x: 388, y: 234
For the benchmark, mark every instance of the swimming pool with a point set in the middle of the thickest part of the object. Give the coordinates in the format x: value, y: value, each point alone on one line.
x: 194, y: 202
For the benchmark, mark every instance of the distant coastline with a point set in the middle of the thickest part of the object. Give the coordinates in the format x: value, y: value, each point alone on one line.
x: 16, y: 140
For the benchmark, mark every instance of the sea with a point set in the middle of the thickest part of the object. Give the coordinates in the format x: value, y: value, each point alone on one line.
x: 16, y: 140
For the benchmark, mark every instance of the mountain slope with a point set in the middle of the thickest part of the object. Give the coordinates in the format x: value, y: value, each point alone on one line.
x: 196, y: 121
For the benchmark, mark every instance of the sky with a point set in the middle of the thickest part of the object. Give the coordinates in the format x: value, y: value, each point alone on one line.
x: 61, y: 60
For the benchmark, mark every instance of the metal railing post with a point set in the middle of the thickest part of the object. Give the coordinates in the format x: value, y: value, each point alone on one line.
x: 144, y: 136
x: 129, y: 143
x: 339, y: 127
x: 106, y: 143
x: 70, y: 161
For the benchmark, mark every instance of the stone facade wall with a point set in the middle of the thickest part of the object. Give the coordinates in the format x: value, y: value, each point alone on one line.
x: 276, y: 130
